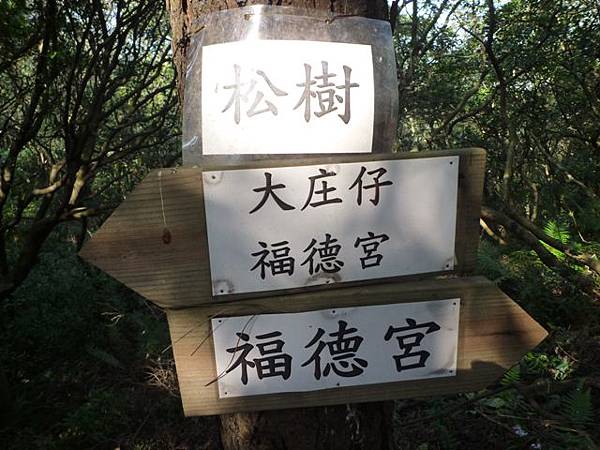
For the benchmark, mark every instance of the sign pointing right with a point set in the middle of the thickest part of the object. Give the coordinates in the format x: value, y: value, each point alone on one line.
x: 466, y: 334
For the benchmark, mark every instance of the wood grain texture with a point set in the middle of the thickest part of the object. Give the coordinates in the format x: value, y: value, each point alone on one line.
x: 494, y: 332
x: 156, y: 244
x: 471, y: 174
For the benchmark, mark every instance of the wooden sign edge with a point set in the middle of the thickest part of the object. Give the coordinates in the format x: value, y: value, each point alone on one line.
x: 194, y: 353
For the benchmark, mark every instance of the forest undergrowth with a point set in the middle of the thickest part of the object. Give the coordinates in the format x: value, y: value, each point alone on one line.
x: 88, y: 364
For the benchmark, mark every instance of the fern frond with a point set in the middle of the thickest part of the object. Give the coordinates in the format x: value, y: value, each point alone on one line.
x: 578, y: 406
x: 512, y: 376
x: 557, y: 231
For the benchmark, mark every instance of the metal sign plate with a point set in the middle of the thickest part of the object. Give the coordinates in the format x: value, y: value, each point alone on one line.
x: 283, y: 228
x: 271, y: 353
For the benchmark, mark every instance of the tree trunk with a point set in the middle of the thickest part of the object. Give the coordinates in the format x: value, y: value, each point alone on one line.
x: 365, y: 426
x: 183, y: 12
x: 347, y: 427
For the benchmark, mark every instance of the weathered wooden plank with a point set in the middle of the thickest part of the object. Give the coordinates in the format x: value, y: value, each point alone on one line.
x: 471, y: 174
x: 494, y: 332
x: 155, y: 242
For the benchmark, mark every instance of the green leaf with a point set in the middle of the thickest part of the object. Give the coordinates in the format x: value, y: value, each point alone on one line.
x: 557, y: 231
x: 578, y: 406
x: 494, y: 402
x: 512, y: 376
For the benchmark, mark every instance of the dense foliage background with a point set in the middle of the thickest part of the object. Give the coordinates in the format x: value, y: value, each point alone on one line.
x: 88, y: 105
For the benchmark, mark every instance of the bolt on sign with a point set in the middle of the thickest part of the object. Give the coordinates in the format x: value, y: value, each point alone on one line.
x: 280, y: 228
x: 256, y: 84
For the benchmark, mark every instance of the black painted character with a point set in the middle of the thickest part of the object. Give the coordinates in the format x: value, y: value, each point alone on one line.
x: 409, y: 337
x: 376, y: 174
x: 269, y: 191
x: 277, y: 260
x: 272, y: 361
x: 340, y: 353
x: 370, y: 244
x: 323, y: 192
x: 323, y: 256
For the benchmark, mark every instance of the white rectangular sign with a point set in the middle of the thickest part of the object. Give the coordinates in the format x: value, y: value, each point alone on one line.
x: 271, y: 353
x: 286, y: 96
x: 282, y: 228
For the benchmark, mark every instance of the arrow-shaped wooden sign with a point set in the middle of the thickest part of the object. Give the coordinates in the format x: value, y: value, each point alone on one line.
x: 482, y: 335
x: 193, y: 240
x: 186, y: 237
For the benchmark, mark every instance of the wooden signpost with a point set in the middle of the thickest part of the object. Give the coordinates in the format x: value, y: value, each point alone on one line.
x: 172, y: 238
x: 157, y: 243
x: 313, y: 280
x: 493, y: 333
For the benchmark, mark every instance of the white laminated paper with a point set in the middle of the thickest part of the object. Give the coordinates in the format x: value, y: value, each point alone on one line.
x: 297, y: 352
x: 287, y: 96
x: 282, y: 228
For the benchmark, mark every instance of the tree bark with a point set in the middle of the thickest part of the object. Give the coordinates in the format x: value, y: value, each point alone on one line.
x: 347, y: 427
x: 183, y: 12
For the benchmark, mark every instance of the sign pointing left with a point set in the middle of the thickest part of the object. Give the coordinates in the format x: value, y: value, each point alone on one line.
x: 181, y: 239
x: 154, y: 242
